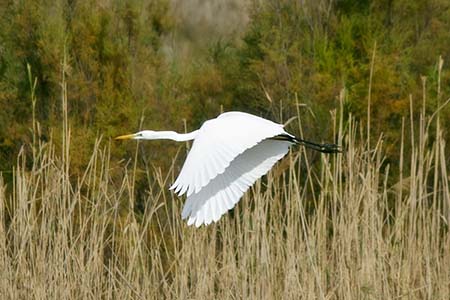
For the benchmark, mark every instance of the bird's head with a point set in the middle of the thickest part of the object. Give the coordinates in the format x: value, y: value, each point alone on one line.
x: 140, y: 135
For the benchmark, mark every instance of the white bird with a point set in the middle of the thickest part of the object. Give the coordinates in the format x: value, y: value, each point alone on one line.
x: 228, y: 155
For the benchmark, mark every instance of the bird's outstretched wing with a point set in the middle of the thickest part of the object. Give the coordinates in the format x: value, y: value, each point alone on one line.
x: 224, y: 191
x: 218, y: 142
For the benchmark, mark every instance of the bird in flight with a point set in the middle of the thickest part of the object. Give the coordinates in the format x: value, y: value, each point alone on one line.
x: 229, y: 154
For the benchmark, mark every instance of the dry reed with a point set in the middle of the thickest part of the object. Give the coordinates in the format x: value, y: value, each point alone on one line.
x: 331, y: 230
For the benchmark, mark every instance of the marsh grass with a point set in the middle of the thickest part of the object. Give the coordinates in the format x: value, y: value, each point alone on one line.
x: 333, y: 229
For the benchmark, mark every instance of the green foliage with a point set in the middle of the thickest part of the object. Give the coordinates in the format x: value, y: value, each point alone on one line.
x: 113, y: 61
x: 124, y: 69
x: 307, y: 52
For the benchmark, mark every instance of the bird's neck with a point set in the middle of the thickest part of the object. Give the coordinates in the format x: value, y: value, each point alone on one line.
x: 175, y: 136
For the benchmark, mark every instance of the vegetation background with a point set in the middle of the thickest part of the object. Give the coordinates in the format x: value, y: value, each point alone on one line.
x: 370, y: 75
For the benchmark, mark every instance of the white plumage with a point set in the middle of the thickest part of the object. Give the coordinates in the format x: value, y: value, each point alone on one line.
x: 223, y: 191
x: 228, y: 155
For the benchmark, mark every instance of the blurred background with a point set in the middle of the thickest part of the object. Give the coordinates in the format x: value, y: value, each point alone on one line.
x: 84, y: 216
x: 170, y: 65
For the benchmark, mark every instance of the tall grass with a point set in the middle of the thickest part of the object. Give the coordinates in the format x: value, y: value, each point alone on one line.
x: 337, y: 229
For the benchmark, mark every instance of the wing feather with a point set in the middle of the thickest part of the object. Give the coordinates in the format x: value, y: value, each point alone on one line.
x: 218, y: 142
x: 227, y: 188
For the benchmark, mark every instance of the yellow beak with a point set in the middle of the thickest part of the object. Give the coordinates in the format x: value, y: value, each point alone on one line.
x: 125, y: 137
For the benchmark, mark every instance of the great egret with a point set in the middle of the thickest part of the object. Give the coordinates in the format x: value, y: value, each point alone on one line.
x: 228, y: 155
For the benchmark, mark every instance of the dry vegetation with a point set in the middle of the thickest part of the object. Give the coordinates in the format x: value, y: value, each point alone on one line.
x: 333, y: 230
x: 77, y: 222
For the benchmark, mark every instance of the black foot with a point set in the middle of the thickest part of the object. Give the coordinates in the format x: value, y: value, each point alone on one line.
x: 330, y: 148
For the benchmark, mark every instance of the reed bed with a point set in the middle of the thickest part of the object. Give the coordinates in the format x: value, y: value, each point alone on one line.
x: 347, y: 226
